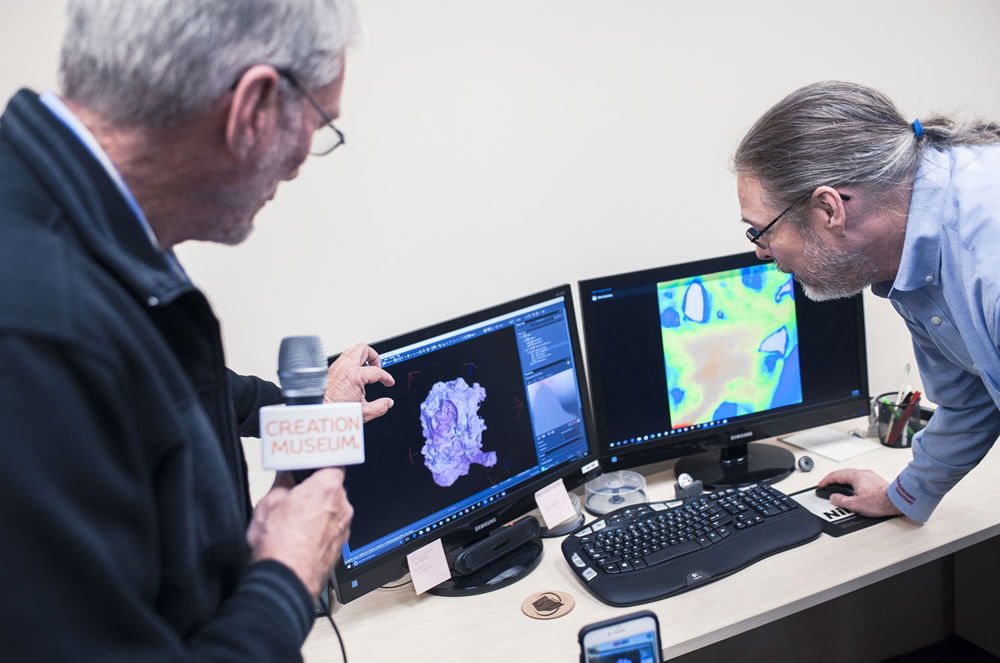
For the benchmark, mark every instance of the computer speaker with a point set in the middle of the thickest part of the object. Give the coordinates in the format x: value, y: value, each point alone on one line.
x: 496, y: 545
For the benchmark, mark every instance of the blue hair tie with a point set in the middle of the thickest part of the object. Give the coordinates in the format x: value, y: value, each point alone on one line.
x: 918, y: 129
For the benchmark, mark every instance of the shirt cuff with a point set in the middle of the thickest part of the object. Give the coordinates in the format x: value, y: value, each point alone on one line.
x: 907, y: 496
x: 280, y: 585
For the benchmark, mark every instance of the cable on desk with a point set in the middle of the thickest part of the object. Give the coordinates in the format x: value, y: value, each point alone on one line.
x: 397, y: 586
x: 329, y: 616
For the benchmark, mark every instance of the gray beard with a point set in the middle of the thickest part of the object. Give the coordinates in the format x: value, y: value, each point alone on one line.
x: 832, y: 274
x: 247, y: 200
x: 233, y: 233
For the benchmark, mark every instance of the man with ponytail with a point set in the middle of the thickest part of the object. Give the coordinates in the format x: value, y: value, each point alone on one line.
x: 843, y: 191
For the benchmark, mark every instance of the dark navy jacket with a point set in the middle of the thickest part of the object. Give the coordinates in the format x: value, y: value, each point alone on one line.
x: 124, y: 500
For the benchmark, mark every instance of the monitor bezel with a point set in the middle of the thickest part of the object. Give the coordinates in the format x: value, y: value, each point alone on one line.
x: 765, y: 426
x: 519, y: 500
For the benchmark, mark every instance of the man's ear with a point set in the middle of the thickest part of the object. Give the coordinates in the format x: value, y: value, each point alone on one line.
x: 826, y: 211
x: 254, y: 112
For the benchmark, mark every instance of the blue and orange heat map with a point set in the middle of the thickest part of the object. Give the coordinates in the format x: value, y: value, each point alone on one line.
x: 730, y: 344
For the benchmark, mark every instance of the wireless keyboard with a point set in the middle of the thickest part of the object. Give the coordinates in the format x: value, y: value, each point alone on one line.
x: 650, y: 551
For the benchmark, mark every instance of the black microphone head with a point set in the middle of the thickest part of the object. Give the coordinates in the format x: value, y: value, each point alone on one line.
x: 302, y: 369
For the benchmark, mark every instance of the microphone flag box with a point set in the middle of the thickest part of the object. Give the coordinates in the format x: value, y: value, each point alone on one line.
x: 305, y: 437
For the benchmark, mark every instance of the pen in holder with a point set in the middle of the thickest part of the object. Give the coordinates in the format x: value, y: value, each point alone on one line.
x: 895, y: 423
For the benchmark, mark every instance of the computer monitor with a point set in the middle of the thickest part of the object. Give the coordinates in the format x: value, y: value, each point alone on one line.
x: 699, y: 359
x: 489, y: 408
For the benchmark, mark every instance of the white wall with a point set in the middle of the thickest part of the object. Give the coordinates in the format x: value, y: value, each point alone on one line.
x: 499, y: 148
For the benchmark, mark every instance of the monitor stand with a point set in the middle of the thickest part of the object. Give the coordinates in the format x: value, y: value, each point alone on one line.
x: 506, y: 555
x: 738, y: 465
x: 504, y: 571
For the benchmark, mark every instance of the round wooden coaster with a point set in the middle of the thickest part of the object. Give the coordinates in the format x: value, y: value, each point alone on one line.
x: 548, y: 605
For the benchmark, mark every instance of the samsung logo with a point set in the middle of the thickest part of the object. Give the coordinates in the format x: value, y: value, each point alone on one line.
x: 740, y: 436
x: 484, y: 524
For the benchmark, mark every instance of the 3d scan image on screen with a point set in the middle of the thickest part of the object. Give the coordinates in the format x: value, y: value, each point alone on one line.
x: 453, y: 430
x: 458, y: 429
x: 730, y: 344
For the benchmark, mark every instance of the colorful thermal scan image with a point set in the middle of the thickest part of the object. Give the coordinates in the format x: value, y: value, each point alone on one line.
x: 453, y: 430
x: 730, y: 342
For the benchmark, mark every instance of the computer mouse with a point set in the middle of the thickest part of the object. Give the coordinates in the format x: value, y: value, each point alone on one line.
x: 824, y: 492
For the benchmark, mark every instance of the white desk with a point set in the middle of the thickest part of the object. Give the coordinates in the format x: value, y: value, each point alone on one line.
x: 391, y: 625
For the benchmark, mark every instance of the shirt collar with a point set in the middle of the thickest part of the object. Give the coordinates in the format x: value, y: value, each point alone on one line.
x: 73, y: 123
x: 920, y: 263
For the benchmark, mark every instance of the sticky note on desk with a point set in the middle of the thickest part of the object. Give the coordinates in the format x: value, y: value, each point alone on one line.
x: 554, y: 503
x: 428, y: 566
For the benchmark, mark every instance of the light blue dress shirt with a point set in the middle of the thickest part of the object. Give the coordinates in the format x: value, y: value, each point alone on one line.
x: 947, y: 289
x: 73, y: 123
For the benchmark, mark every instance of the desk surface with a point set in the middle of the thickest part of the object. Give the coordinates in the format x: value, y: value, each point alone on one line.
x: 491, y: 627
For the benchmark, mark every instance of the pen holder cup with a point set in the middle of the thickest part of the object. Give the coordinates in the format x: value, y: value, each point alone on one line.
x: 885, y: 421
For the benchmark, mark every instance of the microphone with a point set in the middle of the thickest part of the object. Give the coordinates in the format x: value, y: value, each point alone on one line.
x: 301, y: 370
x: 302, y: 376
x: 305, y: 433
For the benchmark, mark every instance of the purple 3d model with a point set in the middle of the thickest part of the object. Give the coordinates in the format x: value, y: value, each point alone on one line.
x: 453, y: 430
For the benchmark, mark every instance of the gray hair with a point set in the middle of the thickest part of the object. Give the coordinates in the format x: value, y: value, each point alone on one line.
x: 154, y: 63
x: 836, y: 134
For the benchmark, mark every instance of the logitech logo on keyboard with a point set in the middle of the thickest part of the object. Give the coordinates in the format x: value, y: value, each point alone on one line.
x: 697, y: 576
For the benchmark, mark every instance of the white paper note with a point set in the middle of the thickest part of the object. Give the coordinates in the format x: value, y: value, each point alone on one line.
x: 428, y: 566
x: 554, y: 503
x: 831, y: 443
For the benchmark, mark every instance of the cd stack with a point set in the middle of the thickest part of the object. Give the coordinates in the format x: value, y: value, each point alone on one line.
x: 615, y: 490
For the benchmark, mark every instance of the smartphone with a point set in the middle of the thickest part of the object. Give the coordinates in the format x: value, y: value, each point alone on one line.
x: 632, y: 638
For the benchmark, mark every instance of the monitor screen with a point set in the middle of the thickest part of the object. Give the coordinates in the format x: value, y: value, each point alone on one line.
x: 716, y: 353
x: 487, y: 409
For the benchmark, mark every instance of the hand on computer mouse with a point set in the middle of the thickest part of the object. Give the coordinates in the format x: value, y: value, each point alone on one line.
x: 869, y: 498
x: 831, y: 489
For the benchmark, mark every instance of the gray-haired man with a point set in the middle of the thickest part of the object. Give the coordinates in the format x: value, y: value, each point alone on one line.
x: 841, y: 190
x: 129, y: 535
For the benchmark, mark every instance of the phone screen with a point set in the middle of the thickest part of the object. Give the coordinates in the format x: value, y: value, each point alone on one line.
x: 630, y: 641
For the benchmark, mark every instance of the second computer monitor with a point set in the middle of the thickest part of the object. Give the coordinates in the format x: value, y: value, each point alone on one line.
x: 707, y: 356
